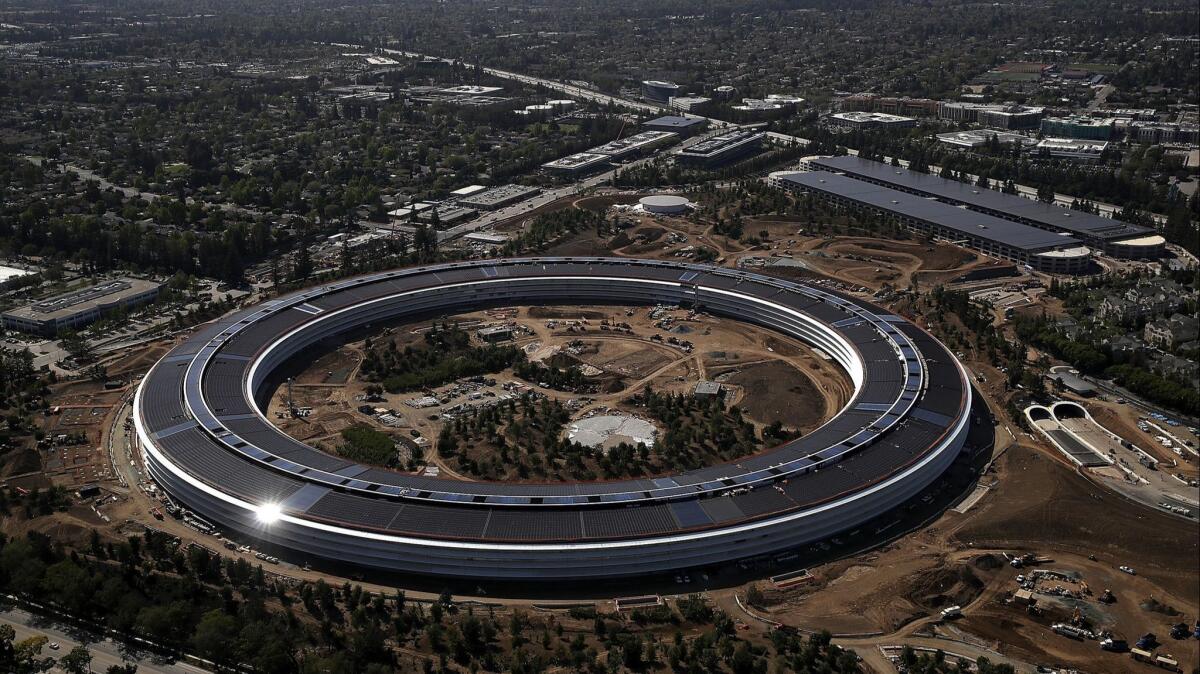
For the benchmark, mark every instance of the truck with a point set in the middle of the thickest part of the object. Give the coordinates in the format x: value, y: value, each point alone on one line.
x: 1072, y: 631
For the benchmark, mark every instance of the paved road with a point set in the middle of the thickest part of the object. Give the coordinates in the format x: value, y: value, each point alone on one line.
x: 105, y: 653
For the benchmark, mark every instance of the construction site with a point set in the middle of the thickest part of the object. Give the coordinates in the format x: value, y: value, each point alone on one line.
x: 1021, y: 555
x: 619, y: 351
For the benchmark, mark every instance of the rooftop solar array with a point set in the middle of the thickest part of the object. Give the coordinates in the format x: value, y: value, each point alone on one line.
x: 1036, y: 213
x: 969, y: 223
x: 912, y: 394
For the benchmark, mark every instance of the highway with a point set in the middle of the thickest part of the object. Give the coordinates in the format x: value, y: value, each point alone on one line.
x: 105, y: 652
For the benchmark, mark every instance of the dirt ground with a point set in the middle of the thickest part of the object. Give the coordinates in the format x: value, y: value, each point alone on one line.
x: 1054, y: 507
x: 875, y: 262
x: 73, y: 455
x: 770, y: 377
x: 777, y: 391
x: 1035, y: 504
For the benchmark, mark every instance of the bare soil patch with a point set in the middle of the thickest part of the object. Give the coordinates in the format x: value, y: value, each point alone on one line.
x: 777, y: 391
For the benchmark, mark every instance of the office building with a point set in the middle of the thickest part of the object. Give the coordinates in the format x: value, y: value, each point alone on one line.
x: 981, y: 137
x: 1072, y: 148
x: 657, y: 91
x: 688, y: 103
x: 870, y: 120
x: 1084, y: 128
x: 640, y: 143
x: 1010, y: 117
x: 498, y: 197
x: 682, y: 126
x: 722, y: 149
x: 75, y: 309
x: 576, y: 164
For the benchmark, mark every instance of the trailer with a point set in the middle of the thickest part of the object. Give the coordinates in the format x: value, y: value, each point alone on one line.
x: 1167, y: 662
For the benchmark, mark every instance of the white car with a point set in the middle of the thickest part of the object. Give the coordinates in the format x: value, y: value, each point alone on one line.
x: 1129, y: 570
x: 54, y: 645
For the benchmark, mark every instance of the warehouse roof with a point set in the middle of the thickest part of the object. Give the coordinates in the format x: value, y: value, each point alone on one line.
x: 1007, y: 232
x: 1045, y: 215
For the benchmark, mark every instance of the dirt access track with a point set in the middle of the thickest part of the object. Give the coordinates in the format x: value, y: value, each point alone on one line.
x: 874, y: 262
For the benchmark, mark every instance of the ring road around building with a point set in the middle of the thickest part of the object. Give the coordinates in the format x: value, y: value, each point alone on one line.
x: 206, y: 441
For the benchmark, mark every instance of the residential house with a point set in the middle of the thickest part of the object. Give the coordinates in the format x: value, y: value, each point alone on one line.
x: 1167, y: 332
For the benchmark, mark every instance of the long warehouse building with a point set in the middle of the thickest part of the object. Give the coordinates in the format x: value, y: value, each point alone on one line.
x: 1040, y: 250
x: 1110, y: 236
x: 206, y: 441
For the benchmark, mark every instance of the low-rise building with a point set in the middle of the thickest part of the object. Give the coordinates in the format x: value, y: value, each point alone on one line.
x: 870, y: 120
x: 981, y: 137
x: 708, y: 390
x: 1073, y: 148
x: 1073, y: 383
x: 639, y: 143
x: 1078, y: 127
x: 442, y: 215
x: 495, y: 333
x: 467, y: 191
x: 577, y: 164
x: 1181, y: 368
x: 688, y: 103
x: 75, y: 309
x: 1125, y: 344
x: 1039, y: 249
x: 721, y: 149
x: 499, y: 197
x: 683, y: 126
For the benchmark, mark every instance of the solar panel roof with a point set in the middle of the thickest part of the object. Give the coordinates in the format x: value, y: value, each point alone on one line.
x: 970, y: 223
x: 1043, y: 214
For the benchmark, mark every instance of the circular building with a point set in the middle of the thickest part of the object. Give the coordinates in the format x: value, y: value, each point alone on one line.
x: 1148, y: 247
x: 665, y: 204
x: 206, y: 441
